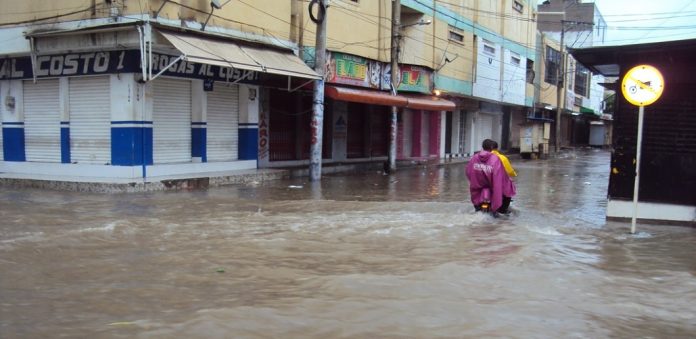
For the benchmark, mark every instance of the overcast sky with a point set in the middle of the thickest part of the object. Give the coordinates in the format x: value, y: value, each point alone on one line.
x: 639, y: 21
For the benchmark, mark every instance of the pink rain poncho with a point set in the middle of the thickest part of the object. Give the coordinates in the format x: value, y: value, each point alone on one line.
x: 485, y: 170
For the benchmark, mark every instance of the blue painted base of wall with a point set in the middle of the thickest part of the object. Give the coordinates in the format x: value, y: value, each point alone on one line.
x: 131, y: 146
x: 248, y: 141
x: 13, y: 144
x: 199, y: 139
x: 65, y: 145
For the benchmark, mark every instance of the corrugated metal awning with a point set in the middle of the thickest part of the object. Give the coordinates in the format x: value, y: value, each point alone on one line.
x: 230, y: 54
x: 425, y: 102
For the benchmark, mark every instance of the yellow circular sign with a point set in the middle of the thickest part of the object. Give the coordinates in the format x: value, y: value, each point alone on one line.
x: 642, y: 85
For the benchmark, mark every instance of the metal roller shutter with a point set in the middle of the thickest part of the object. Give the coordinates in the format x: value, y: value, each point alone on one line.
x: 2, y: 153
x: 485, y: 128
x: 171, y: 120
x: 42, y: 120
x: 90, y: 120
x: 223, y: 121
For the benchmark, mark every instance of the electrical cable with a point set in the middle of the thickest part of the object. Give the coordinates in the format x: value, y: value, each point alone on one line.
x: 58, y: 16
x: 322, y: 11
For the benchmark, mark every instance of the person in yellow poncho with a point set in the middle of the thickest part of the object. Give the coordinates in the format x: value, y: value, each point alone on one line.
x: 509, y: 189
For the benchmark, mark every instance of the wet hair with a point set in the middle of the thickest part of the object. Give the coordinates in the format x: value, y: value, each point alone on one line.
x: 487, y: 145
x: 495, y: 144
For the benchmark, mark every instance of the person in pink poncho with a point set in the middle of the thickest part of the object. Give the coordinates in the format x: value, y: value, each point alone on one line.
x: 485, y: 170
x: 509, y: 189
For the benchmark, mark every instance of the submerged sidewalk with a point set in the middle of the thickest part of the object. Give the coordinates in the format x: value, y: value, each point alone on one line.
x: 198, y: 181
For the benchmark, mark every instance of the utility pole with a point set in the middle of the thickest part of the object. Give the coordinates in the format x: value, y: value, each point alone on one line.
x: 317, y: 123
x: 559, y: 73
x: 562, y: 79
x: 395, y: 37
x: 560, y: 70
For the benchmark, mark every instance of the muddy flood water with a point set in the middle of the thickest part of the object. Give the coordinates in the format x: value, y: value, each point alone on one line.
x: 358, y: 256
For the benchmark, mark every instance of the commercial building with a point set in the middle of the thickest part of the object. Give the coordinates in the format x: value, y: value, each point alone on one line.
x: 127, y: 90
x: 563, y: 82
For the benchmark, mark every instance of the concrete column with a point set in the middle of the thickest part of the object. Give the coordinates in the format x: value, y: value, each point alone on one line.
x: 249, y: 107
x: 131, y: 121
x: 12, y: 112
x: 264, y: 120
x: 64, y: 107
x: 199, y: 115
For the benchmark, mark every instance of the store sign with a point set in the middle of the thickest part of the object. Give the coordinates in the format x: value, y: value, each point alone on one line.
x: 413, y: 79
x: 70, y: 64
x: 187, y: 69
x: 353, y: 70
x: 126, y: 61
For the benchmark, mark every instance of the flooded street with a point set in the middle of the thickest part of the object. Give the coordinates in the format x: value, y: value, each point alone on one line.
x: 361, y: 256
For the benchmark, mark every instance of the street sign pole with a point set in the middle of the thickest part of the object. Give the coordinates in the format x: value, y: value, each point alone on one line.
x: 636, y: 181
x: 641, y: 86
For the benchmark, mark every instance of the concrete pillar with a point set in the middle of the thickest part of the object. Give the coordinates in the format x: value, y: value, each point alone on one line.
x: 249, y: 107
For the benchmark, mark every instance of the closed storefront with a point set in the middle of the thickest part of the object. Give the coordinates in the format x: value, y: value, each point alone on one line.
x: 455, y: 133
x: 289, y: 126
x: 2, y: 153
x: 171, y: 120
x: 368, y: 130
x: 357, y: 132
x: 379, y: 131
x: 42, y: 120
x: 485, y: 128
x: 222, y: 122
x: 90, y: 120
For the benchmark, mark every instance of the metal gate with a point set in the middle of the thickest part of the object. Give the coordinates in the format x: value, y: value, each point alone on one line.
x: 90, y: 120
x: 223, y: 122
x: 380, y: 121
x: 356, y: 131
x: 462, y: 132
x: 171, y: 121
x: 42, y: 120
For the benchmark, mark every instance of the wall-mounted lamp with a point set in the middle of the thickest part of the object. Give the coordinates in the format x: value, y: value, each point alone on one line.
x: 437, y: 92
x: 214, y: 4
x: 420, y: 22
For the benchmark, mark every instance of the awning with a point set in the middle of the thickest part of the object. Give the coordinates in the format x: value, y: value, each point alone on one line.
x: 606, y: 60
x: 429, y: 103
x: 230, y: 54
x: 386, y: 99
x: 587, y: 110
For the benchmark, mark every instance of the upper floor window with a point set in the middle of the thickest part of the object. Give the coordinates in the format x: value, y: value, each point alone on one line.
x: 488, y: 47
x: 530, y: 71
x: 518, y: 6
x: 553, y: 64
x: 515, y: 60
x: 582, y: 80
x: 456, y: 34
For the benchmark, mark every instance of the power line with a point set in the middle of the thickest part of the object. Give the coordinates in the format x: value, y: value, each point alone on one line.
x: 58, y: 16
